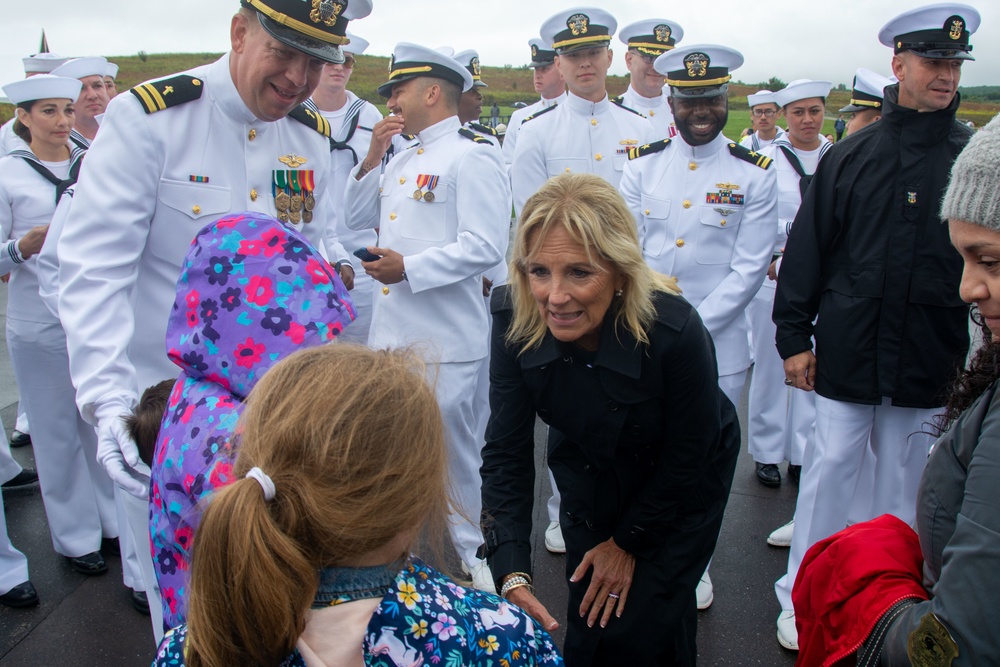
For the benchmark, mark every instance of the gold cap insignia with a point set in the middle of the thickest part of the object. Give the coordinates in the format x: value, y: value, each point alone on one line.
x: 662, y: 33
x: 956, y: 25
x: 326, y: 11
x: 534, y: 51
x: 578, y: 24
x: 696, y: 64
x: 292, y: 160
x: 474, y: 64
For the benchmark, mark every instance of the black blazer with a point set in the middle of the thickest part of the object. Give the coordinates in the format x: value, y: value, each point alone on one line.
x: 643, y: 438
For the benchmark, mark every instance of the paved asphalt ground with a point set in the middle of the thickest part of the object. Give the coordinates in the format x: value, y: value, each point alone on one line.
x: 89, y: 621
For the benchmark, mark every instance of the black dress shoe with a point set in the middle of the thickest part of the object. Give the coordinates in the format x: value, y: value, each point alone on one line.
x: 22, y: 595
x: 23, y: 478
x: 89, y: 564
x: 18, y: 439
x: 794, y: 472
x: 140, y: 602
x: 768, y: 475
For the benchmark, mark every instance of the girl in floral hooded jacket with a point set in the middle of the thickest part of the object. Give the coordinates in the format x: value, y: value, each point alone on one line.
x: 252, y: 292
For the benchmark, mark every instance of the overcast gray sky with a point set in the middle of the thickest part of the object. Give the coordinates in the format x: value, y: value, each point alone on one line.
x: 790, y: 40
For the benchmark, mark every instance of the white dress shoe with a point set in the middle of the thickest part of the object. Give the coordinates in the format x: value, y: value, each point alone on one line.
x: 554, y: 539
x: 482, y: 577
x: 788, y: 635
x: 782, y: 537
x: 705, y: 592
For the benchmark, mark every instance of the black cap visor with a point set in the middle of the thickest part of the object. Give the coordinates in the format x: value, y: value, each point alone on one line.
x: 331, y: 53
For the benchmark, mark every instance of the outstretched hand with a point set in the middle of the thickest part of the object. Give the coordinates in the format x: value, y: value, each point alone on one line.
x: 609, y: 584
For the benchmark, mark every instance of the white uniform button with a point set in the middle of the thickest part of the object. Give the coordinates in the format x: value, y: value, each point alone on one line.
x: 680, y: 243
x: 252, y: 135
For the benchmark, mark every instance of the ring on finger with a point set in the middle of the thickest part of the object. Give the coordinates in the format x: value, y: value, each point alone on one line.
x: 614, y: 596
x: 789, y: 382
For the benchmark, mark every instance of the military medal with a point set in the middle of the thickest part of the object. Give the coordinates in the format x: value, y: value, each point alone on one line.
x: 295, y: 217
x: 425, y: 181
x: 418, y: 194
x: 307, y: 216
x: 309, y: 203
x: 282, y: 202
x: 429, y: 197
x: 306, y: 185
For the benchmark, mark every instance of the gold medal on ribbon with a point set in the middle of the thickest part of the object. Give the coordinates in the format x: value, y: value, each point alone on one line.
x: 417, y: 194
x: 283, y: 216
x: 309, y: 203
x: 296, y: 203
x: 295, y: 217
x: 307, y: 216
x: 429, y: 197
x: 282, y: 202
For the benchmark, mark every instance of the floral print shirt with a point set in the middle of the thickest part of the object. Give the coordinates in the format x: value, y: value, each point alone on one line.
x: 427, y: 619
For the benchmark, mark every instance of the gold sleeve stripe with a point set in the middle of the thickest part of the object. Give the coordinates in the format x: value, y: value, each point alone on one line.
x: 147, y: 99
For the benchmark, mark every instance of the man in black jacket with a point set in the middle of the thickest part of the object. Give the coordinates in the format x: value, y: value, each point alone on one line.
x: 869, y: 272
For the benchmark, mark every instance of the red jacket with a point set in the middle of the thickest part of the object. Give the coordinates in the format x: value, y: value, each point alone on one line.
x: 848, y: 581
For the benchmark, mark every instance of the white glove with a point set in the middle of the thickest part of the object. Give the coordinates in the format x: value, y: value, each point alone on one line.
x: 118, y: 453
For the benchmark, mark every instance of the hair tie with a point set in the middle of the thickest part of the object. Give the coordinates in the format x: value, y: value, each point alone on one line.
x: 265, y: 482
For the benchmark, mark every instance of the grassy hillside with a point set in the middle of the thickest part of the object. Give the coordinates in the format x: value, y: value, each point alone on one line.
x: 507, y: 85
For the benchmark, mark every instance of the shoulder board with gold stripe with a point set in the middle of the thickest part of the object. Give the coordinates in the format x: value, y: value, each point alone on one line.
x: 648, y: 149
x: 469, y: 134
x: 311, y: 118
x: 543, y: 111
x: 620, y: 99
x: 747, y: 155
x: 485, y: 129
x: 159, y: 95
x: 409, y: 137
x: 618, y: 102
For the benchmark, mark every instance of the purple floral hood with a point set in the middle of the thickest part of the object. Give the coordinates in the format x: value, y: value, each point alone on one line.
x: 252, y: 292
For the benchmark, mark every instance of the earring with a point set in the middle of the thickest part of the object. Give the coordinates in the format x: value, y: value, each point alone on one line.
x: 618, y: 293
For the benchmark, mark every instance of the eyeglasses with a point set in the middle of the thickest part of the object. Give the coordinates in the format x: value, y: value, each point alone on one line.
x: 646, y: 58
x: 349, y: 61
x: 763, y: 112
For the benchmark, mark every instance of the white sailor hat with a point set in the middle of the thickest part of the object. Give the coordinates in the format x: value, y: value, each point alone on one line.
x: 111, y: 71
x: 579, y: 28
x: 470, y: 59
x: 652, y: 36
x: 43, y: 87
x: 802, y: 89
x: 42, y: 63
x: 867, y: 90
x: 410, y: 61
x: 356, y: 45
x: 542, y: 54
x: 78, y: 68
x: 316, y: 28
x: 702, y: 70
x: 760, y: 97
x: 934, y: 31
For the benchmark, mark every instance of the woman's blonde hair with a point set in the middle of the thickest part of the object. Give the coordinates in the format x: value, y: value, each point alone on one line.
x: 354, y: 443
x: 592, y: 212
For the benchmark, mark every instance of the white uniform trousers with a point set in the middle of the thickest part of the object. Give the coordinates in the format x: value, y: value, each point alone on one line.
x: 455, y: 386
x: 767, y: 410
x: 832, y: 464
x: 76, y: 492
x: 362, y: 296
x: 137, y: 519
x: 13, y: 563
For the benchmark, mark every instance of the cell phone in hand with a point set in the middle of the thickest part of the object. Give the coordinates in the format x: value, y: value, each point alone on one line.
x: 365, y: 256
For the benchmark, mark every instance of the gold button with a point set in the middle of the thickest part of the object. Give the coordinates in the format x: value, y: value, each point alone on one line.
x: 380, y: 190
x: 420, y: 151
x: 196, y: 209
x: 252, y: 135
x: 647, y: 211
x: 692, y: 166
x: 567, y: 170
x: 722, y: 222
x: 402, y: 180
x: 385, y: 290
x: 253, y: 195
x: 593, y: 121
x: 652, y: 113
x: 687, y: 204
x: 680, y: 243
x: 392, y: 216
x: 598, y: 157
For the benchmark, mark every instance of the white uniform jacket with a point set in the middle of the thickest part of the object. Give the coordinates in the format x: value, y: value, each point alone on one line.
x: 707, y: 217
x: 576, y: 136
x: 514, y: 126
x: 151, y: 181
x: 10, y: 142
x: 656, y: 109
x: 755, y: 143
x: 447, y: 241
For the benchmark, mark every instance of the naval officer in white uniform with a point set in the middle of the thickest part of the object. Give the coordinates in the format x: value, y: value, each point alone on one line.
x: 588, y: 133
x: 173, y: 155
x: 706, y: 210
x: 646, y: 41
x: 443, y: 211
x: 549, y: 84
